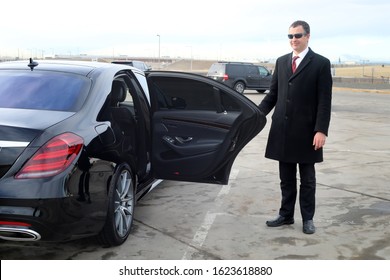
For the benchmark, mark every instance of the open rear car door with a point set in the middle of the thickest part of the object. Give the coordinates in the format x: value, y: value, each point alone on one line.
x: 198, y: 127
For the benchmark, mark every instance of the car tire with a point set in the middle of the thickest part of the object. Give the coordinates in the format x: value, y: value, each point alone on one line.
x: 239, y: 87
x: 120, y: 212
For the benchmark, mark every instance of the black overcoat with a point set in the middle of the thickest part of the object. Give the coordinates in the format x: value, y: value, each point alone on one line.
x: 302, y: 106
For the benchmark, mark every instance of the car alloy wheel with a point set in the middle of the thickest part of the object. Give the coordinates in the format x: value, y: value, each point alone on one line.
x: 121, y: 207
x: 239, y: 87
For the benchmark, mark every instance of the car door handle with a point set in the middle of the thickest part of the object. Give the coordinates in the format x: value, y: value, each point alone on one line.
x: 183, y: 140
x: 177, y: 140
x: 185, y: 149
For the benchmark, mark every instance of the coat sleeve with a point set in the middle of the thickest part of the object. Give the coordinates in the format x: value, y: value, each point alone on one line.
x: 324, y: 92
x: 269, y: 101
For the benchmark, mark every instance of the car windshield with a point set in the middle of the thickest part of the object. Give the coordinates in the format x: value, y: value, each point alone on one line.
x: 42, y: 90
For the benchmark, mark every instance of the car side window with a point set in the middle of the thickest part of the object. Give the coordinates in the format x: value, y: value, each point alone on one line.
x: 236, y: 70
x: 263, y: 71
x: 174, y: 93
x: 128, y: 102
x: 187, y: 94
x: 252, y: 70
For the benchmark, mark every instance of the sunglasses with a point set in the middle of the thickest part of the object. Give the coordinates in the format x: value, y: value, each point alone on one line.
x: 297, y: 35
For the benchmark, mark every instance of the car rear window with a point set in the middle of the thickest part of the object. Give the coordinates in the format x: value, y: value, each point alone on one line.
x: 42, y: 90
x: 216, y: 69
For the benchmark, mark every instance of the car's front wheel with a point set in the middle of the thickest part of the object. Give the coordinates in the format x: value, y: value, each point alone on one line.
x: 239, y: 87
x: 121, y: 207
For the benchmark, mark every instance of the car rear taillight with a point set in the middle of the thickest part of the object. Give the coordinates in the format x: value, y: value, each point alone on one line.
x: 52, y: 158
x: 14, y: 224
x: 225, y: 77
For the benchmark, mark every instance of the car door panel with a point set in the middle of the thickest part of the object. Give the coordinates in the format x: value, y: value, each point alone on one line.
x: 188, y: 147
x: 189, y: 138
x: 199, y: 127
x: 265, y: 77
x: 253, y: 77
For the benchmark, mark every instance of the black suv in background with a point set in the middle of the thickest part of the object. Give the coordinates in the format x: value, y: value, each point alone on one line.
x: 241, y: 76
x: 135, y: 63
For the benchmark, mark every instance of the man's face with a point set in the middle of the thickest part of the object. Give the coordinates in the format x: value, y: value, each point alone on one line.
x: 298, y: 44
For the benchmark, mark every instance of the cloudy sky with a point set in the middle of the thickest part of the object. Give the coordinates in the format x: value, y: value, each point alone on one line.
x: 348, y: 30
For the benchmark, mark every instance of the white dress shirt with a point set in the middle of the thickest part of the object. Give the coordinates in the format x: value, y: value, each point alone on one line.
x: 301, y: 56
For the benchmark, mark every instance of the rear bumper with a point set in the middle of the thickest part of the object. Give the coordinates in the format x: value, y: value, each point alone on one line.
x: 50, y: 219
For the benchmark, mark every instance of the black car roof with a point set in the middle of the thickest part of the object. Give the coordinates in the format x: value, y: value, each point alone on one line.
x: 235, y: 62
x: 78, y: 67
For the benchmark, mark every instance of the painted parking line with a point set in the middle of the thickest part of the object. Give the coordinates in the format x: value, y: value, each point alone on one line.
x: 203, y: 230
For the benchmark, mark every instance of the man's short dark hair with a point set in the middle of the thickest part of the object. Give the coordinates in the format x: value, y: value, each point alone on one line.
x: 302, y: 23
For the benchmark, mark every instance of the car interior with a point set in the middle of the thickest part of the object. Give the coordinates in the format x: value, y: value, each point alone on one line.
x: 122, y: 122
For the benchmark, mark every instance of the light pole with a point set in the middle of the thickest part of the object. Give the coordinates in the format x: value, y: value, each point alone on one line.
x: 158, y: 48
x: 190, y: 57
x: 364, y: 61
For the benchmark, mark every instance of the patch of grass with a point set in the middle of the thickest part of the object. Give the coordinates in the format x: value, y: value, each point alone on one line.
x: 375, y: 71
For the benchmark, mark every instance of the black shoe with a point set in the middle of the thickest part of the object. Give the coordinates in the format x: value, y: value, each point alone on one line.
x: 308, y: 227
x: 279, y: 221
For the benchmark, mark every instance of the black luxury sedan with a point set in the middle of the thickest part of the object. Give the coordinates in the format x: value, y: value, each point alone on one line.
x: 82, y: 142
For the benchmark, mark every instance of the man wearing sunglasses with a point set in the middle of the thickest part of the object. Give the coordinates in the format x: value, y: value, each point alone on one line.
x: 300, y: 94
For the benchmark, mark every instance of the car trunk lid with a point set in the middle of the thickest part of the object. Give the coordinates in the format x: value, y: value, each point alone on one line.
x: 19, y: 127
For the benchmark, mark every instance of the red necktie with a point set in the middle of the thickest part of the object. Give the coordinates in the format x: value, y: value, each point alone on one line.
x: 294, y: 64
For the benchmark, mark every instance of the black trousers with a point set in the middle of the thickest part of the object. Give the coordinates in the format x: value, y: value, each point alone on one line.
x: 288, y: 185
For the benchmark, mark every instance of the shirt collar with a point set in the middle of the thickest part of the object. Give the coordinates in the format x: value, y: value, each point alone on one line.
x: 302, y: 54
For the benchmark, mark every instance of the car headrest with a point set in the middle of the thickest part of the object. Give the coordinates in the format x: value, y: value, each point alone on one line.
x: 118, y: 92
